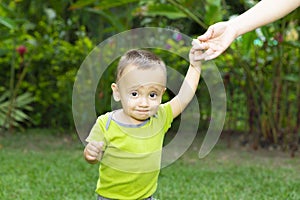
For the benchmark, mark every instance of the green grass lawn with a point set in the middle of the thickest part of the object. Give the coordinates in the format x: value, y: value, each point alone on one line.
x: 37, y: 165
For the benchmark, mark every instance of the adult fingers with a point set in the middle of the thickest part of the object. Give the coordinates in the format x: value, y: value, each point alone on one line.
x: 207, y: 35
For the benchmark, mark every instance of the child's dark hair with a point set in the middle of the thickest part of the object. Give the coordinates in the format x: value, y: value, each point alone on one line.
x: 142, y: 59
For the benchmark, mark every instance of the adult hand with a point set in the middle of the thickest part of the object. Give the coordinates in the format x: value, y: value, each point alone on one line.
x: 215, y: 40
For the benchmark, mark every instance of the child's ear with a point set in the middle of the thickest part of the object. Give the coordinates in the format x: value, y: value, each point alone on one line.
x: 164, y: 90
x: 116, y: 93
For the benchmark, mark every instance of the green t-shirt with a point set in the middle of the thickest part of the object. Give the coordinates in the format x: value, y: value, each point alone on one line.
x: 131, y: 160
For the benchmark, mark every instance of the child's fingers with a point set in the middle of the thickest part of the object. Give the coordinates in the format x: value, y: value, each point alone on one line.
x: 196, y: 42
x: 95, y: 148
x: 98, y: 149
x: 97, y: 145
x: 196, y: 55
x: 197, y: 45
x: 92, y: 152
x: 90, y: 157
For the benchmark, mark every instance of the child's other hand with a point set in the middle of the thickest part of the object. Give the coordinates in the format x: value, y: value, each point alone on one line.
x: 93, y: 151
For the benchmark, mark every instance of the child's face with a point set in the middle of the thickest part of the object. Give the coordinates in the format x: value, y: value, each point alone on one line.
x: 140, y: 92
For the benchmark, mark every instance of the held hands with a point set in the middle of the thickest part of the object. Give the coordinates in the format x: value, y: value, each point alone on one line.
x: 215, y: 40
x: 93, y: 151
x: 194, y: 54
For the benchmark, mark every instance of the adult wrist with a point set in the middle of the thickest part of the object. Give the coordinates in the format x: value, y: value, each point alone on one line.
x: 234, y: 27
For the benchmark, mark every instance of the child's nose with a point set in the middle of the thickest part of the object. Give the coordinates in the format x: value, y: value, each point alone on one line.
x: 144, y: 101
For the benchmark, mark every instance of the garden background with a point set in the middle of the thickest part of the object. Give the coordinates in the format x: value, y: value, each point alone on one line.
x: 42, y: 45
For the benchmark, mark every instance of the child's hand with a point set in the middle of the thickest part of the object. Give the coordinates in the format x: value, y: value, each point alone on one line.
x: 93, y: 151
x: 195, y: 54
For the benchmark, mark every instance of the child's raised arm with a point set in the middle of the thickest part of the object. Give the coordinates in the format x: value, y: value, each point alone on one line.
x: 189, y: 85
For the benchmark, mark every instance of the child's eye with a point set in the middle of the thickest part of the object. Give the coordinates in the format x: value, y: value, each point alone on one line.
x: 153, y: 94
x: 134, y: 94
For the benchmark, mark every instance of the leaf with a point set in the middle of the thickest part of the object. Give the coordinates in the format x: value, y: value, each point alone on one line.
x: 292, y: 78
x: 114, y: 20
x: 102, y: 5
x: 9, y: 23
x: 164, y: 10
x: 17, y: 114
x: 213, y: 12
x: 24, y: 99
x: 5, y: 8
x: 293, y: 44
x: 81, y: 4
x: 245, y: 43
x: 188, y: 13
x: 107, y: 4
x: 4, y: 96
x: 20, y: 116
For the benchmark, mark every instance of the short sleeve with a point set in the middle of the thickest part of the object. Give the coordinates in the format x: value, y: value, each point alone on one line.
x: 166, y: 108
x: 97, y: 131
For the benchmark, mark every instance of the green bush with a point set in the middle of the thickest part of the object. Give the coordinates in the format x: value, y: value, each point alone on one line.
x: 51, y: 61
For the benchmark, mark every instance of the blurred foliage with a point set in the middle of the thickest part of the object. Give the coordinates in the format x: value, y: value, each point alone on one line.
x: 16, y: 117
x: 260, y: 70
x: 50, y: 41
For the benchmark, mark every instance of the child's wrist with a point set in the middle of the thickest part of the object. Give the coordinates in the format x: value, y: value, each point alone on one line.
x: 196, y: 67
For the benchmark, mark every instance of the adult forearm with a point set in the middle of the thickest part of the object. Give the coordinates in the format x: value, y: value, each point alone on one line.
x: 264, y: 12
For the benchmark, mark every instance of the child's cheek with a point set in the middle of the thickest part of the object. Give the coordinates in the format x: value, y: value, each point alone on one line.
x: 155, y: 106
